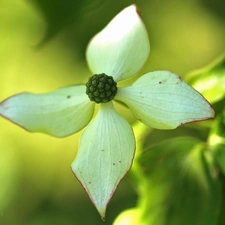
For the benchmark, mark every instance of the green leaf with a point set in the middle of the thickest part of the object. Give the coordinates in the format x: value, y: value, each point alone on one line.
x: 105, y: 155
x: 121, y: 48
x: 10, y: 173
x: 58, y: 15
x: 180, y: 186
x: 162, y: 100
x: 210, y: 80
x: 58, y: 113
x: 221, y: 219
x: 217, y: 142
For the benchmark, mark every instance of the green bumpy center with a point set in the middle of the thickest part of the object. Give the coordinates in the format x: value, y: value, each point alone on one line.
x: 101, y: 88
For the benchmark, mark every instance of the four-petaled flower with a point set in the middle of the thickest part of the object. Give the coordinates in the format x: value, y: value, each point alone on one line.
x: 159, y: 99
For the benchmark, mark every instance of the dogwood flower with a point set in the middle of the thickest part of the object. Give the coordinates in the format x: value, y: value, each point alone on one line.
x: 159, y: 99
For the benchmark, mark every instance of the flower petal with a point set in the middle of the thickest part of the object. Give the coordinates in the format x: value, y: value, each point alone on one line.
x: 57, y: 113
x: 121, y: 48
x: 105, y: 155
x: 162, y: 100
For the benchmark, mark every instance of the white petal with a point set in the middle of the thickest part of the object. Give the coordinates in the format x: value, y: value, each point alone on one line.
x: 162, y: 100
x: 105, y: 155
x: 58, y: 113
x: 121, y: 48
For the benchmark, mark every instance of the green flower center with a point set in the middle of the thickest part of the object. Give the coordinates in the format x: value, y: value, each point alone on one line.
x: 101, y: 88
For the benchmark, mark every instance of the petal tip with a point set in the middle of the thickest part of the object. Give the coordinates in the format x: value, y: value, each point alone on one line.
x: 212, y: 113
x: 101, y: 209
x: 102, y: 213
x: 137, y: 10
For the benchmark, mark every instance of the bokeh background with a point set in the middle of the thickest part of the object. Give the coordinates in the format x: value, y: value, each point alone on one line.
x: 42, y: 48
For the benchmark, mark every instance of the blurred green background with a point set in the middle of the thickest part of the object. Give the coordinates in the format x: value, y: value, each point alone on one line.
x: 42, y: 47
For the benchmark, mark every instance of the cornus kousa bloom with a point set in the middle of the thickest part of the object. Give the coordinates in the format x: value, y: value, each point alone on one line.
x: 159, y: 99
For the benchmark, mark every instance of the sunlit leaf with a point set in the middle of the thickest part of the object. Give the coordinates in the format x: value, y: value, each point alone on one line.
x: 210, y: 80
x: 128, y: 217
x: 181, y: 186
x: 105, y: 155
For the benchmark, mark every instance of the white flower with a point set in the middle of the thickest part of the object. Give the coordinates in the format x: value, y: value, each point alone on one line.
x: 159, y: 99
